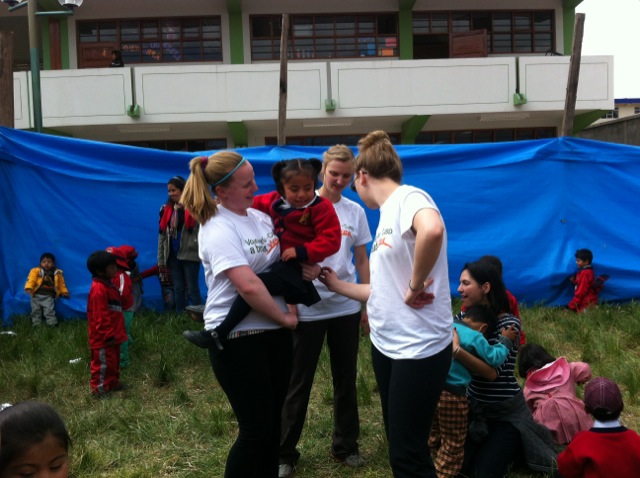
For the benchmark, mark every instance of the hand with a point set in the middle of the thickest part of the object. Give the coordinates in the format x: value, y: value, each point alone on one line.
x: 456, y: 339
x: 364, y: 322
x: 29, y: 291
x: 419, y: 298
x: 511, y: 333
x: 329, y: 278
x: 310, y: 271
x: 65, y: 296
x: 290, y: 321
x: 289, y: 254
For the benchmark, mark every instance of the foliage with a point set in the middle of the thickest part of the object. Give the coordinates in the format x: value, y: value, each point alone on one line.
x: 175, y: 421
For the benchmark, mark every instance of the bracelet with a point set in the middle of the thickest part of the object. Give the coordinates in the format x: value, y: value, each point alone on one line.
x: 415, y: 290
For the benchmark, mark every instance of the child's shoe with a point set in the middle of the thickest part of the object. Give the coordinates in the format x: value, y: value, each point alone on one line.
x: 195, y: 312
x: 205, y: 339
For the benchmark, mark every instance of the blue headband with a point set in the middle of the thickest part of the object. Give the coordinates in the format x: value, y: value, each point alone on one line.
x: 229, y: 174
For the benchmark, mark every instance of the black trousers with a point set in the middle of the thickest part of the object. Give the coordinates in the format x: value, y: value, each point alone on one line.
x: 343, y: 336
x: 409, y: 393
x: 254, y: 373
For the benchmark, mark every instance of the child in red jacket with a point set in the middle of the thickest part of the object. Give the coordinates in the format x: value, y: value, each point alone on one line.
x: 608, y: 449
x: 123, y: 282
x: 106, y: 324
x: 309, y: 231
x: 585, y: 294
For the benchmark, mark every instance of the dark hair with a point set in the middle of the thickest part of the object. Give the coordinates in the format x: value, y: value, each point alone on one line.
x: 494, y: 261
x: 532, y: 357
x: 284, y: 169
x: 483, y: 272
x: 178, y: 182
x: 48, y: 255
x: 482, y: 313
x: 26, y: 424
x: 584, y: 255
x: 98, y: 262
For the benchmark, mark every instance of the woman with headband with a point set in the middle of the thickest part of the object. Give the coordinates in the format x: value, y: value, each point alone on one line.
x: 237, y: 242
x: 178, y: 246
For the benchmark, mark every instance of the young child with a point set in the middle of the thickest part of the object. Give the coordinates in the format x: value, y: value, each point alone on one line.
x: 34, y: 442
x: 585, y: 294
x: 550, y: 391
x: 449, y: 427
x: 106, y: 324
x: 45, y: 284
x: 123, y: 282
x: 608, y: 449
x: 309, y: 231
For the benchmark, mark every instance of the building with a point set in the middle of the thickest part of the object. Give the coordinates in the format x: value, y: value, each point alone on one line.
x: 204, y: 74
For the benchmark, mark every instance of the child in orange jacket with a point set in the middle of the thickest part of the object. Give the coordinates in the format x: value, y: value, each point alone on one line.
x: 45, y: 284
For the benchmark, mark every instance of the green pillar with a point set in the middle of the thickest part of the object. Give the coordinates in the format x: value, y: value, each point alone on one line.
x: 405, y: 28
x: 236, y: 37
x: 568, y: 22
x: 412, y: 127
x: 239, y: 134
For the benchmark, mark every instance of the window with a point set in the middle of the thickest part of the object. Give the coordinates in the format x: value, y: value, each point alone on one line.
x: 484, y: 135
x: 326, y: 36
x: 636, y: 110
x: 613, y: 114
x: 507, y: 32
x: 163, y: 40
x: 328, y: 140
x: 192, y: 145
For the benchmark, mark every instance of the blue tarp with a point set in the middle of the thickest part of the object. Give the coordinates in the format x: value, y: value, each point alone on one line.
x: 532, y: 203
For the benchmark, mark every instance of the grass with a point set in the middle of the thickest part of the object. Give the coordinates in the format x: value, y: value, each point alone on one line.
x: 175, y: 421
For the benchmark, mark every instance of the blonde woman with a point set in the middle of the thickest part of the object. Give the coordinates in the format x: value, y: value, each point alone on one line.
x: 235, y: 243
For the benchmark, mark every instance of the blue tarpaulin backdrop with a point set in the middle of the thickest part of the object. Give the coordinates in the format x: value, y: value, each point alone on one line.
x: 532, y: 203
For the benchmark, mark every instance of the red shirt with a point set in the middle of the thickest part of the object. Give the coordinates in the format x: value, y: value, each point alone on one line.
x: 314, y: 230
x: 104, y: 314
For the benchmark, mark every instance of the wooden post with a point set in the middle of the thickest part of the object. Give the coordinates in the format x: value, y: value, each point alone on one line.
x: 574, y: 74
x: 282, y: 105
x: 6, y: 80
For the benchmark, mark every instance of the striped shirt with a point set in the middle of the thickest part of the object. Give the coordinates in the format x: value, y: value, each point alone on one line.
x: 506, y: 385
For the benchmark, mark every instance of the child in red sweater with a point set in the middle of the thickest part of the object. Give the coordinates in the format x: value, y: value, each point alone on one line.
x: 106, y: 324
x: 608, y: 449
x: 123, y: 282
x: 309, y: 231
x: 585, y: 294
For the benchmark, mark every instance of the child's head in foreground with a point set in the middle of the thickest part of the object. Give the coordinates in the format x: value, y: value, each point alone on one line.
x: 33, y: 442
x: 584, y: 257
x: 481, y: 319
x: 603, y: 399
x: 102, y: 264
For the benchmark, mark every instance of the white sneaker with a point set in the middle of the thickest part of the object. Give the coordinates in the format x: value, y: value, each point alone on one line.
x: 285, y: 470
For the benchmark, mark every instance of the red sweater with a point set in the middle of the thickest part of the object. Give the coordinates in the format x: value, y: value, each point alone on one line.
x: 314, y: 231
x: 585, y: 295
x: 601, y: 453
x: 122, y: 281
x: 104, y: 314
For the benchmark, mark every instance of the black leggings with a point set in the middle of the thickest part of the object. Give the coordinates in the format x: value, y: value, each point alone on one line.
x: 254, y: 373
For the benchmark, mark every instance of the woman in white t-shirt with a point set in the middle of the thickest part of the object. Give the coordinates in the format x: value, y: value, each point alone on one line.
x: 235, y: 243
x: 335, y: 317
x: 408, y: 303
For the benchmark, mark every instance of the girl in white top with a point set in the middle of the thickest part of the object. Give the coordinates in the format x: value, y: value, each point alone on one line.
x: 235, y: 243
x: 408, y: 303
x: 335, y: 317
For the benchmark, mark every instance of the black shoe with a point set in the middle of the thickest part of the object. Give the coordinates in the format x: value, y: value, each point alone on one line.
x: 204, y: 339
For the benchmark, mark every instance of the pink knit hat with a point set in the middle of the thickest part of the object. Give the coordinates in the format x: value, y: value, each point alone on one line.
x: 603, y: 394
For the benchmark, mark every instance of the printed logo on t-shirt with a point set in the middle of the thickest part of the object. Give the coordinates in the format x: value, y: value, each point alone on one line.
x: 347, y: 230
x: 381, y: 239
x: 262, y: 245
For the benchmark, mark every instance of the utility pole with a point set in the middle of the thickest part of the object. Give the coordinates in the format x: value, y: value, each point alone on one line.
x: 574, y: 74
x: 282, y: 104
x: 6, y: 80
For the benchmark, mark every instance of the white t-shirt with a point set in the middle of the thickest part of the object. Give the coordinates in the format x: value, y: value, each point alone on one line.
x: 397, y: 330
x: 355, y: 232
x: 228, y: 240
